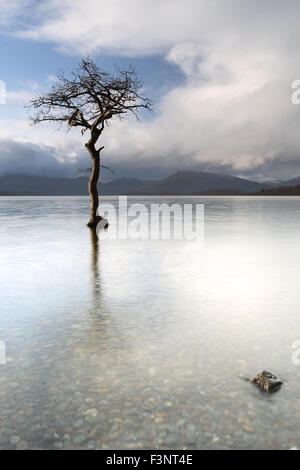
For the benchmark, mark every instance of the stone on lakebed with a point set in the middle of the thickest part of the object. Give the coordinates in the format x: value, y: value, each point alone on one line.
x: 267, y: 381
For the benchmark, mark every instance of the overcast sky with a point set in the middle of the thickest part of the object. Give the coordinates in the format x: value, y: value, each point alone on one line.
x: 219, y: 72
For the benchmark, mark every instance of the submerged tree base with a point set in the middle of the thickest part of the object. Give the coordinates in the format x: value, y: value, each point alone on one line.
x: 93, y: 223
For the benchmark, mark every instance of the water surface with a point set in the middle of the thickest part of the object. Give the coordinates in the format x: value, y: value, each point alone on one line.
x: 142, y: 344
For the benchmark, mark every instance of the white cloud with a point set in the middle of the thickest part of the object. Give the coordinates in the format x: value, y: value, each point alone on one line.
x: 10, y: 10
x: 18, y: 96
x: 151, y: 26
x: 120, y: 26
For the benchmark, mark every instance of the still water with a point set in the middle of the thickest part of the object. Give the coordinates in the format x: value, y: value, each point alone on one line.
x: 143, y: 344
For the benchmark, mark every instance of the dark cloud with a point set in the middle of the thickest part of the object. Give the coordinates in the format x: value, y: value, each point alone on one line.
x: 28, y: 158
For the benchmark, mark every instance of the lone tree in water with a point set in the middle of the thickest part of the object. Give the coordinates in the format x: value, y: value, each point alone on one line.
x: 89, y: 100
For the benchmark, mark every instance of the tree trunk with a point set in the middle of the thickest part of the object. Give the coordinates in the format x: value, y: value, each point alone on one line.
x: 93, y: 190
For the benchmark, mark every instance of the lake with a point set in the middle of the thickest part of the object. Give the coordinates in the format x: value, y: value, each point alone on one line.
x: 143, y: 344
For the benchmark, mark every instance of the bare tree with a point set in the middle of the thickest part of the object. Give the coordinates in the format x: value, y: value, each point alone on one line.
x: 89, y: 100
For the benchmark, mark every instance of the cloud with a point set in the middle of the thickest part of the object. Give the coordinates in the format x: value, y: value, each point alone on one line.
x: 28, y: 158
x: 130, y: 27
x: 18, y: 96
x: 234, y: 109
x: 122, y: 27
x: 11, y: 11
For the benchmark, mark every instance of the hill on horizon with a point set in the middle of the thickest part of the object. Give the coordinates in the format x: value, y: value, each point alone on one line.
x: 283, y: 190
x: 194, y: 182
x: 179, y: 183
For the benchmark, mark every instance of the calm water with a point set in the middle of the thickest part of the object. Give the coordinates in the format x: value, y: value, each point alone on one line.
x: 142, y: 344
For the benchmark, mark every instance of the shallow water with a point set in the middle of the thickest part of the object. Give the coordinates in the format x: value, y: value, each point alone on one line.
x: 143, y: 344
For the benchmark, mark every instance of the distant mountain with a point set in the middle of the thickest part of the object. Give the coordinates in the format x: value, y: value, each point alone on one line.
x: 26, y: 185
x: 180, y: 183
x: 122, y: 185
x: 272, y: 183
x: 5, y: 193
x: 280, y: 191
x: 194, y: 182
x: 292, y: 182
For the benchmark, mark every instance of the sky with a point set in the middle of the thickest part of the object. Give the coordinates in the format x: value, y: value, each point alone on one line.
x: 219, y: 72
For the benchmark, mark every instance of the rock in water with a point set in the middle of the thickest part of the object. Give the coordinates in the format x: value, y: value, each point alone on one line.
x: 267, y: 381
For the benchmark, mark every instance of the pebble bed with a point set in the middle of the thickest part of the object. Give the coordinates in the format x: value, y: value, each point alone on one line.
x: 129, y: 346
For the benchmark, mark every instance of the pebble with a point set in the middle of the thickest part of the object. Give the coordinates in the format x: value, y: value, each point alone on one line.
x: 58, y: 445
x: 191, y: 428
x: 22, y: 445
x: 14, y: 440
x: 78, y: 424
x: 79, y: 439
x: 130, y: 370
x: 62, y: 407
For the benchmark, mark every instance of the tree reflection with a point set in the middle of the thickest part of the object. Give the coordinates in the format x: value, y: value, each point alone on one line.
x: 95, y: 278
